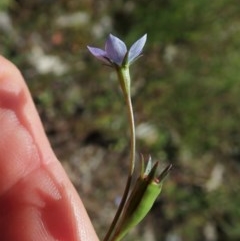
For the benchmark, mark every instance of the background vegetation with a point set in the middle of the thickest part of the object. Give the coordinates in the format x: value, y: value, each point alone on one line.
x: 185, y: 93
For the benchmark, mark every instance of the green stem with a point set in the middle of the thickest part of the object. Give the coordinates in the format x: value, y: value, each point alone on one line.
x: 133, y: 139
x: 124, y: 78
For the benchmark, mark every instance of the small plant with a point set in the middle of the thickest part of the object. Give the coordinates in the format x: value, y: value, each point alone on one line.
x: 135, y: 203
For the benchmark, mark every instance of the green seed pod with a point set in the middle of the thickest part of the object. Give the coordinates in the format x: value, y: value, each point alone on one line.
x: 145, y: 191
x: 139, y: 205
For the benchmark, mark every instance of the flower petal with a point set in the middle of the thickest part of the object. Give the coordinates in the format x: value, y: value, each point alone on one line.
x: 136, y: 48
x: 115, y: 49
x: 99, y: 54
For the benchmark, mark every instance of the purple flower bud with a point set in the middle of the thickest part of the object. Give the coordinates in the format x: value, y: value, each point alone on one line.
x: 116, y: 52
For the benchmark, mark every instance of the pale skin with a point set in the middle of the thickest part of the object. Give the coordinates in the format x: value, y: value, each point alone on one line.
x: 37, y: 200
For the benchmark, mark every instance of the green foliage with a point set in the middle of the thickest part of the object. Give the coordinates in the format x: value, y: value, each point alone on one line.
x: 180, y: 21
x: 4, y: 4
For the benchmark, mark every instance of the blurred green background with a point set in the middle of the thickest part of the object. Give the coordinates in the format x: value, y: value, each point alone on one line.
x: 185, y: 92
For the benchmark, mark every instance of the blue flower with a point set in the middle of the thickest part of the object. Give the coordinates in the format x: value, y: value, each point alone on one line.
x: 116, y: 53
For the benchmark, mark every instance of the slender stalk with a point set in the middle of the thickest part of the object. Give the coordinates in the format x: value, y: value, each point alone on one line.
x: 124, y: 78
x: 133, y: 139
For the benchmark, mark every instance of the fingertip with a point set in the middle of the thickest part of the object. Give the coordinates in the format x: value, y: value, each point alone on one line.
x: 23, y: 143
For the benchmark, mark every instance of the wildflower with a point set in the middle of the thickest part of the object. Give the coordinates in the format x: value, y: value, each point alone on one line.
x: 116, y: 53
x: 134, y: 204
